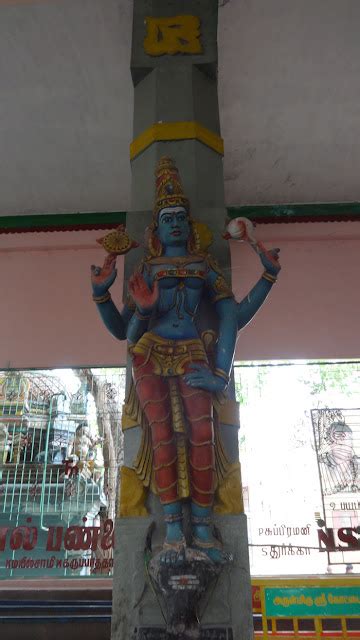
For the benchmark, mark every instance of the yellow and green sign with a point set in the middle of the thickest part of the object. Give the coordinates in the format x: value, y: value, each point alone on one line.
x: 312, y: 601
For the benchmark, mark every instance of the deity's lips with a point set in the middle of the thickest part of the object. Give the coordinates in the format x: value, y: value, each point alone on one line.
x: 177, y: 232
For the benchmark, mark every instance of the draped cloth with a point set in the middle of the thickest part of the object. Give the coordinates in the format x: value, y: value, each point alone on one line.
x: 181, y: 455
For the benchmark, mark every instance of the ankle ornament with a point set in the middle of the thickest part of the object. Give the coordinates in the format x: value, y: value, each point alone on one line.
x: 177, y: 545
x: 201, y: 520
x: 170, y: 518
x: 202, y: 544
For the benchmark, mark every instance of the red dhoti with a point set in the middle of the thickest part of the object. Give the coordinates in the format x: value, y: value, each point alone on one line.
x: 180, y: 418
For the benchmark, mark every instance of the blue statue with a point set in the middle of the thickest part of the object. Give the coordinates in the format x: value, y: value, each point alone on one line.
x: 175, y: 375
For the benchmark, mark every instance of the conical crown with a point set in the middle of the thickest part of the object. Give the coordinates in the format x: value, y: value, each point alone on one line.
x: 169, y: 189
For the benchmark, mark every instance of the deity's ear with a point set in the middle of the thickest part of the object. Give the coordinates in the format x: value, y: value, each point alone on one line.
x: 192, y: 243
x: 152, y: 241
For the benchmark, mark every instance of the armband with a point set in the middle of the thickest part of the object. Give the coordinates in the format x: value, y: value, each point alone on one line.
x: 267, y: 276
x: 220, y: 373
x: 101, y: 299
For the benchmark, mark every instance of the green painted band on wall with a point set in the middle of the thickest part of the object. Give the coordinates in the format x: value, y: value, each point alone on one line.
x: 61, y: 221
x: 317, y: 212
x: 284, y: 213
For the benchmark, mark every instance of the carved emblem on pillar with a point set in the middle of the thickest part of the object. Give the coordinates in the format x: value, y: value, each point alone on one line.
x: 179, y: 34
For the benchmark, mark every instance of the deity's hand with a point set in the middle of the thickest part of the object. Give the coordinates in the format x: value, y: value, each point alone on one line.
x: 202, y: 378
x: 103, y: 277
x: 270, y: 260
x: 144, y: 297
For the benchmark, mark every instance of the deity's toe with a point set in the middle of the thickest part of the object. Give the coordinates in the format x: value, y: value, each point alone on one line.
x: 170, y: 558
x: 173, y: 552
x: 219, y: 556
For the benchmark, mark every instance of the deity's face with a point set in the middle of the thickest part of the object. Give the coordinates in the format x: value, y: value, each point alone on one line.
x: 173, y: 226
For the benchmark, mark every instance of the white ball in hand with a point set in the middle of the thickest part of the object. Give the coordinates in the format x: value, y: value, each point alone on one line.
x: 240, y: 229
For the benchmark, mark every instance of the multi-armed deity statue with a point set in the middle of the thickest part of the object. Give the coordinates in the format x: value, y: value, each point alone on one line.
x: 179, y: 370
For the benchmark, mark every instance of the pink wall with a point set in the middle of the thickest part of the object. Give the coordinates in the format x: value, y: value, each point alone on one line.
x: 313, y: 310
x: 48, y: 319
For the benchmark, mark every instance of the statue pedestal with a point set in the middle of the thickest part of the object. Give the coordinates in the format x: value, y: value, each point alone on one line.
x: 226, y: 607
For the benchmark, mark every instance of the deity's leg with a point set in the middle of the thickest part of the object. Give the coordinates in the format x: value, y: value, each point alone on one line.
x: 154, y: 397
x: 173, y: 517
x: 199, y: 413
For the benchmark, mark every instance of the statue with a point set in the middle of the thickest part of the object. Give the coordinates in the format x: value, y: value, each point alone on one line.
x: 84, y: 443
x: 177, y: 373
x: 83, y: 457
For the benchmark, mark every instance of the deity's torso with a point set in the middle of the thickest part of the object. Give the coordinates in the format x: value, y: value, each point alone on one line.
x: 182, y: 283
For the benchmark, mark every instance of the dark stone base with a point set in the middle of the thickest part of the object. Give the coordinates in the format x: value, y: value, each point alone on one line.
x: 181, y: 579
x: 207, y: 633
x: 226, y: 607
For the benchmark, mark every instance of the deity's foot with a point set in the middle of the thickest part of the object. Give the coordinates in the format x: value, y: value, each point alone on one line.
x: 203, y: 538
x: 175, y: 539
x: 213, y: 549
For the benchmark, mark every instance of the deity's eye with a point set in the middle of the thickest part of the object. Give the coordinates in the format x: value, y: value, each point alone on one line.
x: 166, y: 219
x: 181, y: 217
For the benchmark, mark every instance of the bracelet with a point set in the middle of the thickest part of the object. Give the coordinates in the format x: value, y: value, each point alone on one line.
x: 267, y: 276
x: 141, y: 316
x: 102, y: 299
x: 130, y: 303
x: 222, y: 374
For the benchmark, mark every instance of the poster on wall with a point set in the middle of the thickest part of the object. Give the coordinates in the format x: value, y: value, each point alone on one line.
x: 337, y: 444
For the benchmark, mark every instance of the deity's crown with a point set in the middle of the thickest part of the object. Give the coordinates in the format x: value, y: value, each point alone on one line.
x: 169, y: 189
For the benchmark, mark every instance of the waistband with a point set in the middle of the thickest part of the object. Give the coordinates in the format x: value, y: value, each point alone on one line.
x: 169, y: 357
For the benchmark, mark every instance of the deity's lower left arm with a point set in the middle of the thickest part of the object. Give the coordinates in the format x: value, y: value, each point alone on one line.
x: 221, y: 296
x: 226, y: 311
x: 248, y: 307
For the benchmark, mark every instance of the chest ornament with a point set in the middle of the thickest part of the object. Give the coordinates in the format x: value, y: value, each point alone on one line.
x: 180, y: 273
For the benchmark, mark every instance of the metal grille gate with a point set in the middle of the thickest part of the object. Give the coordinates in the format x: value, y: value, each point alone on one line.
x: 60, y: 448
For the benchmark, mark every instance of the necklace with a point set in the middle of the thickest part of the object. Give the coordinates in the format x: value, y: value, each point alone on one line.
x: 178, y: 260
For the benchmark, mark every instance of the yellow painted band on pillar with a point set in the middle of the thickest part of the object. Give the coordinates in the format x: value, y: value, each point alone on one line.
x: 168, y: 131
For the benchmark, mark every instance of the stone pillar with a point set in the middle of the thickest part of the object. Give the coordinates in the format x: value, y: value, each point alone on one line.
x: 174, y: 70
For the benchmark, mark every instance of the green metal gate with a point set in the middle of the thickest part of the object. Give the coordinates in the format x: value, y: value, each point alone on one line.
x: 59, y: 455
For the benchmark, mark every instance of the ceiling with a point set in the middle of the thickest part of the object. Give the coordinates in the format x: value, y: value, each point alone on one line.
x: 289, y: 86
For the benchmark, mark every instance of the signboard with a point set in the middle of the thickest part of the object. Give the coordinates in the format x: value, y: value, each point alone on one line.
x: 312, y: 602
x: 256, y: 598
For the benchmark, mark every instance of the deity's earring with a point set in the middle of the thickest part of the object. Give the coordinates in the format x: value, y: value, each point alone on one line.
x: 154, y: 244
x: 193, y: 243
